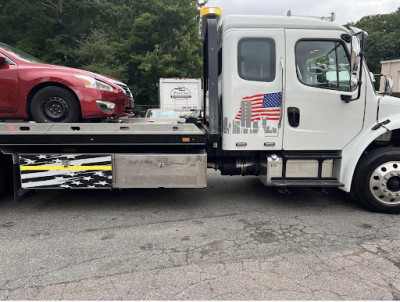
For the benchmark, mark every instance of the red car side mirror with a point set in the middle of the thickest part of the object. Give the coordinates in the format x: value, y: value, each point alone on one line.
x: 2, y: 60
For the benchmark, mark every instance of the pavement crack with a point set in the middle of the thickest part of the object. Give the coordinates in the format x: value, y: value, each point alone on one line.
x: 395, y: 292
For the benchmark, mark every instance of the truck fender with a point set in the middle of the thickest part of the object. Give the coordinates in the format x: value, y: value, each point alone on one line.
x: 353, y: 151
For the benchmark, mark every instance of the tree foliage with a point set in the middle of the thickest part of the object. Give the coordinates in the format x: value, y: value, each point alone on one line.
x: 139, y: 41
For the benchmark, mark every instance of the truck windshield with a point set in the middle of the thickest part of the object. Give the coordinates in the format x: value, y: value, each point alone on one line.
x: 19, y: 53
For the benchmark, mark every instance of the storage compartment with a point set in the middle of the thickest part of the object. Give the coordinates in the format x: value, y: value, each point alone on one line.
x: 308, y: 168
x: 154, y: 170
x: 302, y: 168
x: 327, y: 168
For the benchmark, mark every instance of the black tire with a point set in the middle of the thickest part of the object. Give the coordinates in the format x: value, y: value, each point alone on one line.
x: 376, y: 181
x: 2, y: 175
x: 6, y: 173
x: 55, y: 105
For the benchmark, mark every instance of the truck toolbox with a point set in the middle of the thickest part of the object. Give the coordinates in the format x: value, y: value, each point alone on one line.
x: 183, y: 170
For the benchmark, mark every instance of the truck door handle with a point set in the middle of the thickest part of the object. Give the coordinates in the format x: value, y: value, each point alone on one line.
x: 293, y: 116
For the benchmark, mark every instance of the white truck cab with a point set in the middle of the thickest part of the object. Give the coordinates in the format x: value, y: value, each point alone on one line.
x: 282, y: 83
x: 297, y: 90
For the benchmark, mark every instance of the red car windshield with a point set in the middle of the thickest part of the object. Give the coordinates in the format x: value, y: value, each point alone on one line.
x: 19, y: 53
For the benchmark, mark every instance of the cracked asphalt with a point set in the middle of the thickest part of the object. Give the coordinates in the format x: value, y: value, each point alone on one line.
x: 234, y: 240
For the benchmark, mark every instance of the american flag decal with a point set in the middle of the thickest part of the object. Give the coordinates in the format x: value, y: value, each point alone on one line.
x: 261, y: 106
x: 51, y: 171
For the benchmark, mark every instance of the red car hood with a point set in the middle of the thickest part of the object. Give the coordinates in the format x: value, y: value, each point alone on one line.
x: 71, y: 71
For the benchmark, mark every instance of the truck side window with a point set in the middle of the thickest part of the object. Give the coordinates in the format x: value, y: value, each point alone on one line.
x: 323, y: 64
x: 256, y: 59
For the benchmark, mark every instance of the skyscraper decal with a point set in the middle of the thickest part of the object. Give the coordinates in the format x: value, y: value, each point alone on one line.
x: 260, y: 112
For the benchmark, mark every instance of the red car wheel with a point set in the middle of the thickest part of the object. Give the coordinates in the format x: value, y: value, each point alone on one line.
x: 55, y: 105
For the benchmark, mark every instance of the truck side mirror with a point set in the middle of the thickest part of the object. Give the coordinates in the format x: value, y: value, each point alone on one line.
x: 372, y: 76
x: 355, y: 63
x: 355, y: 54
x: 388, y: 86
x: 353, y: 81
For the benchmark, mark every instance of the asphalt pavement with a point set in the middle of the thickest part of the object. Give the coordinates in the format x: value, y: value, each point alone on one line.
x: 234, y: 240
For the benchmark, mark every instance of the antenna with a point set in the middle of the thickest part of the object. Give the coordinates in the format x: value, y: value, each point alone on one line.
x: 331, y: 18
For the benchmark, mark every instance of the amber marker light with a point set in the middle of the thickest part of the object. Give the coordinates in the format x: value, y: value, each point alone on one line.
x: 210, y: 11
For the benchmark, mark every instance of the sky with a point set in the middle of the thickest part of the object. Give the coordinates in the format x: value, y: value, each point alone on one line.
x: 346, y: 10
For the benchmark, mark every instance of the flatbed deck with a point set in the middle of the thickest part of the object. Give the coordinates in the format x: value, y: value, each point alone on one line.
x: 89, y: 134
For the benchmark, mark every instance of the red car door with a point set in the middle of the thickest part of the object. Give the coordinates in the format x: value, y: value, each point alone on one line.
x: 8, y: 85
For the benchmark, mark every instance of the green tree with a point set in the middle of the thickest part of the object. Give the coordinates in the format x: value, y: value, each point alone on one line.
x: 164, y: 43
x: 19, y: 27
x: 383, y: 41
x: 96, y: 53
x: 48, y: 29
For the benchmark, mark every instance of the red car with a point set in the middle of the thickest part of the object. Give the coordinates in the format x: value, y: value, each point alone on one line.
x: 31, y: 89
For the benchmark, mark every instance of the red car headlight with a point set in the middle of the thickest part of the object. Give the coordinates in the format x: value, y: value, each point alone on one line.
x: 94, y: 83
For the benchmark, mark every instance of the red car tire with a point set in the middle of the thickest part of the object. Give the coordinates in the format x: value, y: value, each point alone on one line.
x: 54, y: 104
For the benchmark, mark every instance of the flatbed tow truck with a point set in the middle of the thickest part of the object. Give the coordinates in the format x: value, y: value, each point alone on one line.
x: 289, y: 99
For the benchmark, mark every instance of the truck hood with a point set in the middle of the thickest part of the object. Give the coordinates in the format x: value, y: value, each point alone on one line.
x: 72, y: 71
x: 389, y: 106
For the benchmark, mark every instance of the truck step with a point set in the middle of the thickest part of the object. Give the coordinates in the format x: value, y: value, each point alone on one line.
x: 311, y: 155
x: 308, y: 182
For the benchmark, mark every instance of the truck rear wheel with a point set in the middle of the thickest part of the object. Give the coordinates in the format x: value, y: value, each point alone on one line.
x: 376, y: 181
x: 2, y: 175
x: 55, y: 105
x: 6, y: 173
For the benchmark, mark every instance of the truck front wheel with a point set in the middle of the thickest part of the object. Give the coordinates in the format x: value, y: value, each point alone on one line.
x: 376, y: 181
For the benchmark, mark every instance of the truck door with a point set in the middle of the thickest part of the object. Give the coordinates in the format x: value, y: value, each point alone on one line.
x: 8, y: 86
x: 317, y: 76
x: 252, y: 88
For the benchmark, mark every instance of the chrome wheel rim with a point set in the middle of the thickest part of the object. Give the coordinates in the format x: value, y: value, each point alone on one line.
x: 384, y: 183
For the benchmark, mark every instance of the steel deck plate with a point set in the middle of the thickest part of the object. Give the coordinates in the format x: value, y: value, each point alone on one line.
x: 12, y: 134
